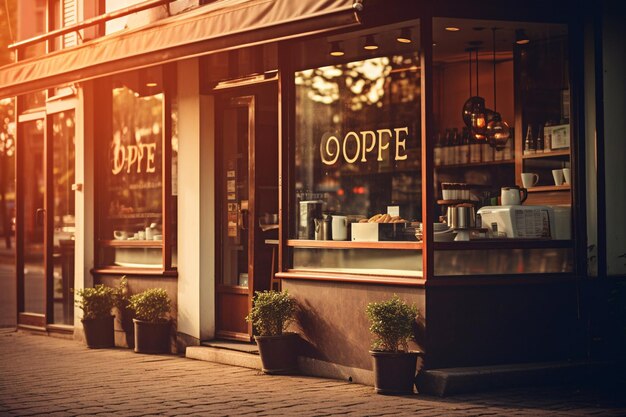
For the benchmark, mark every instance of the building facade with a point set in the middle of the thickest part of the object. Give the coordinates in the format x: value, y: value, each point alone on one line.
x: 465, y: 159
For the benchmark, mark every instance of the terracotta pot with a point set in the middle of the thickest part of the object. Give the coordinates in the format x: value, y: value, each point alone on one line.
x: 99, y: 332
x: 279, y: 354
x: 394, y: 372
x: 152, y: 337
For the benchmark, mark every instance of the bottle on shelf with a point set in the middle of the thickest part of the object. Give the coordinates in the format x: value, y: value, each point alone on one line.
x: 540, y: 141
x: 465, y: 147
x: 508, y: 152
x: 547, y: 137
x: 486, y: 151
x: 438, y: 150
x: 529, y: 142
x: 474, y: 148
x: 455, y: 146
x: 447, y: 149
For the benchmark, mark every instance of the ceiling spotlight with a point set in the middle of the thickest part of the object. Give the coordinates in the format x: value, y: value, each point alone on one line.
x: 520, y: 37
x: 453, y: 29
x: 370, y: 43
x: 151, y: 84
x: 405, y: 36
x: 335, y: 49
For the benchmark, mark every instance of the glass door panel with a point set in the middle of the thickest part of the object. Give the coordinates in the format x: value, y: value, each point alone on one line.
x: 235, y: 277
x: 33, y: 217
x: 235, y: 198
x: 63, y: 212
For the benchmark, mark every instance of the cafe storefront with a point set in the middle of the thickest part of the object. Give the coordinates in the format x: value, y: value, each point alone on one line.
x: 408, y: 150
x: 436, y: 152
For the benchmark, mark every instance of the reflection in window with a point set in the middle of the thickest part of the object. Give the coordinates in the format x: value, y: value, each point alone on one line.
x: 133, y: 176
x: 358, y: 137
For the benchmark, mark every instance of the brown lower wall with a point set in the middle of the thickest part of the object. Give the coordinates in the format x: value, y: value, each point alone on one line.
x: 461, y: 325
x: 332, y: 320
x: 496, y: 324
x: 124, y: 333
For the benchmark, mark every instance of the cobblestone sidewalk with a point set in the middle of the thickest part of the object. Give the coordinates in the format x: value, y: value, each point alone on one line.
x: 42, y: 375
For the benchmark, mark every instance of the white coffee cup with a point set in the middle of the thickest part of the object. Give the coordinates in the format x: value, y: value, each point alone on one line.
x: 567, y: 175
x: 340, y: 227
x: 529, y: 179
x: 557, y: 174
x: 119, y: 234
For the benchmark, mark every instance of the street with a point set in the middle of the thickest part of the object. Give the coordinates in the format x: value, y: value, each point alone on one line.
x: 43, y: 375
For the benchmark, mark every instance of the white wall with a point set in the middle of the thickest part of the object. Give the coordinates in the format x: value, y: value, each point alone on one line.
x: 84, y: 199
x: 196, y: 229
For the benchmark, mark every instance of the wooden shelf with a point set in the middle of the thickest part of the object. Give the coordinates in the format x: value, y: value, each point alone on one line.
x: 450, y: 202
x: 346, y: 244
x: 135, y: 216
x: 415, y: 171
x: 132, y: 243
x: 564, y: 152
x: 481, y: 244
x: 478, y: 164
x: 544, y: 188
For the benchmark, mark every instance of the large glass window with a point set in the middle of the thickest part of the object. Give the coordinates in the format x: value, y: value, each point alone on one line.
x: 495, y: 80
x: 131, y: 206
x: 358, y: 151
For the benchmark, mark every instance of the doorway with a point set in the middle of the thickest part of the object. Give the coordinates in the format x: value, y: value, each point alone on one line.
x: 247, y: 202
x: 45, y: 212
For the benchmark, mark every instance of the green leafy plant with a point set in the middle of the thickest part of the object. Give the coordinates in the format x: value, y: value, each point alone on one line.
x: 120, y: 294
x: 271, y: 312
x: 151, y: 305
x: 391, y: 322
x: 95, y: 302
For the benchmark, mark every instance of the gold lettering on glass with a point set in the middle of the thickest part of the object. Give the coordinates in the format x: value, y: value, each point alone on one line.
x: 136, y: 157
x: 358, y: 147
x: 325, y: 149
x: 382, y: 147
x: 401, y: 143
x: 331, y: 148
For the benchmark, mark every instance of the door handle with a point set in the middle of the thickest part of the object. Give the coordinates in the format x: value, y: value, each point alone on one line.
x: 40, y: 216
x: 243, y: 219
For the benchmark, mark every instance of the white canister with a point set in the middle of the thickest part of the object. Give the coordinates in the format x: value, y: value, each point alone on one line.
x: 340, y: 228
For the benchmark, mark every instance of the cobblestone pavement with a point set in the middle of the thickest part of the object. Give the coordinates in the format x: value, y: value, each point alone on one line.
x: 41, y: 375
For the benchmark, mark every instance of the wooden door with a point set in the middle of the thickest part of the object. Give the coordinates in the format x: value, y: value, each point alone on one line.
x: 247, y: 190
x: 45, y: 221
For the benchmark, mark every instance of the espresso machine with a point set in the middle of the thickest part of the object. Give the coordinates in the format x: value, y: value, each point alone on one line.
x: 310, y: 210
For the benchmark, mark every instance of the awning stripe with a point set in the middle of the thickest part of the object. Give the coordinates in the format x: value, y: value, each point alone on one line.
x: 222, y: 25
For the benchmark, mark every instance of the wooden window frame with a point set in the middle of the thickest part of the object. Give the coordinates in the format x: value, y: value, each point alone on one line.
x: 102, y: 141
x: 287, y: 168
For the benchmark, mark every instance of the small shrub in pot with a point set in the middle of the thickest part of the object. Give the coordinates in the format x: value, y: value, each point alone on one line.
x: 271, y: 312
x: 391, y: 323
x: 152, y: 326
x: 96, y: 303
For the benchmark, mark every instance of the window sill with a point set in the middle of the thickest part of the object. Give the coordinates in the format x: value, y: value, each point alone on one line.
x: 346, y: 244
x: 154, y: 272
x: 351, y: 278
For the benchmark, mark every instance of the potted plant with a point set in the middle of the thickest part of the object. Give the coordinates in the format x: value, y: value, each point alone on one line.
x: 124, y: 312
x: 271, y: 312
x: 391, y: 322
x: 152, y: 327
x: 97, y: 320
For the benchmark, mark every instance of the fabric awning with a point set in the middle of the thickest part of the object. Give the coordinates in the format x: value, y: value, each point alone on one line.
x: 222, y: 25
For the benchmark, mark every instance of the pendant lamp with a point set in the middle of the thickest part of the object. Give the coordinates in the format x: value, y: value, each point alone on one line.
x: 498, y: 131
x: 474, y: 111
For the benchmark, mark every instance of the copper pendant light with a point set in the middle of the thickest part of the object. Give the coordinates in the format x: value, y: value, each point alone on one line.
x: 474, y: 112
x: 497, y: 130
